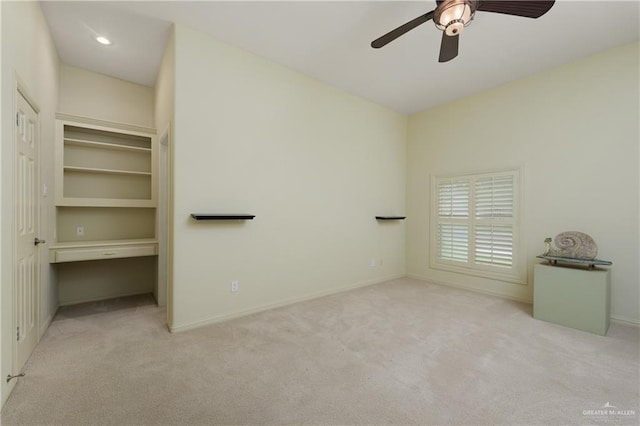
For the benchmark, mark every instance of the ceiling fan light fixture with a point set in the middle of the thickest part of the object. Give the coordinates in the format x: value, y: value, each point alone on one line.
x: 453, y: 15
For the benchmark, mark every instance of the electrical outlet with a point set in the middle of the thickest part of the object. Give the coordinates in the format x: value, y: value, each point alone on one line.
x: 80, y: 231
x: 372, y: 263
x: 234, y: 286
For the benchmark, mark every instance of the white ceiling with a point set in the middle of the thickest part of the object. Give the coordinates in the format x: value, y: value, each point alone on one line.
x: 329, y: 40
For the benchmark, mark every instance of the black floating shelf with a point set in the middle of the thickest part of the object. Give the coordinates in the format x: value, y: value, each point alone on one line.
x: 209, y: 216
x: 391, y: 217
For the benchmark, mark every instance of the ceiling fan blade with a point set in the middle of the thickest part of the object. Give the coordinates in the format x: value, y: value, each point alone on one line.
x: 402, y: 29
x: 448, y: 47
x: 528, y: 9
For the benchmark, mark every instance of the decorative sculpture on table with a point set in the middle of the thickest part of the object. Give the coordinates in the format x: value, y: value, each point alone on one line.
x: 572, y: 244
x: 572, y: 247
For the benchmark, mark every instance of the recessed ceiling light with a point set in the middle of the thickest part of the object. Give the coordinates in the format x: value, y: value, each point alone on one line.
x: 103, y: 40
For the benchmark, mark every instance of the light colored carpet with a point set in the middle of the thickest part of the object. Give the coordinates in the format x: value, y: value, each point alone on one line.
x: 401, y: 352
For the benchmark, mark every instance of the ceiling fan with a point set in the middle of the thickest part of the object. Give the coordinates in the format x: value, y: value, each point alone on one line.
x: 451, y: 16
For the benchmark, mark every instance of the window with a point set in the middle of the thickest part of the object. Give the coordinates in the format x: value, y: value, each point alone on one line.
x: 475, y: 225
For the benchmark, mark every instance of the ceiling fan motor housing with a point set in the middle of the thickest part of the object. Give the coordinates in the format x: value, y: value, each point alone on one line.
x: 451, y: 16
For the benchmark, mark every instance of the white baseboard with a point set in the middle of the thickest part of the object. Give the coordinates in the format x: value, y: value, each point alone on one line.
x: 614, y: 318
x: 473, y: 289
x: 46, y: 323
x: 96, y: 299
x: 261, y: 308
x: 625, y: 321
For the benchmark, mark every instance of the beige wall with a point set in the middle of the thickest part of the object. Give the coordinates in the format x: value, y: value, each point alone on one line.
x: 574, y: 132
x: 315, y: 165
x: 89, y: 94
x: 28, y: 53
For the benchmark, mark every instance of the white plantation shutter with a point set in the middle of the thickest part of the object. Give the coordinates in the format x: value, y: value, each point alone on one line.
x: 475, y: 225
x: 494, y: 197
x: 453, y: 205
x: 453, y: 198
x: 493, y: 200
x: 494, y: 245
x: 454, y: 242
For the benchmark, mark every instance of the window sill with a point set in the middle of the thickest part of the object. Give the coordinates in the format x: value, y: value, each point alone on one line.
x: 510, y: 278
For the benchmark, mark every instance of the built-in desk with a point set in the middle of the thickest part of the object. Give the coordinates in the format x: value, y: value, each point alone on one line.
x: 99, y: 250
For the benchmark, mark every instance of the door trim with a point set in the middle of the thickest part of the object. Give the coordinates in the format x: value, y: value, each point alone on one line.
x: 22, y: 89
x: 163, y: 230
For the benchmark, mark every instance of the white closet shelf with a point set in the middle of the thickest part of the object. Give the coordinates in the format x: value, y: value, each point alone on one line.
x: 105, y: 202
x: 104, y: 145
x: 74, y: 169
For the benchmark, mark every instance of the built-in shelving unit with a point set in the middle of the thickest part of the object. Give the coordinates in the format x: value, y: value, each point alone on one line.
x: 390, y: 217
x: 106, y: 191
x: 212, y: 216
x: 106, y: 167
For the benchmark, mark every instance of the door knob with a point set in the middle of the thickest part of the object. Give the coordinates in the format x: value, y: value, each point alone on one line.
x: 38, y: 241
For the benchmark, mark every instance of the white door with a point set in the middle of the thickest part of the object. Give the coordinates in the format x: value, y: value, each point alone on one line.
x: 27, y: 271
